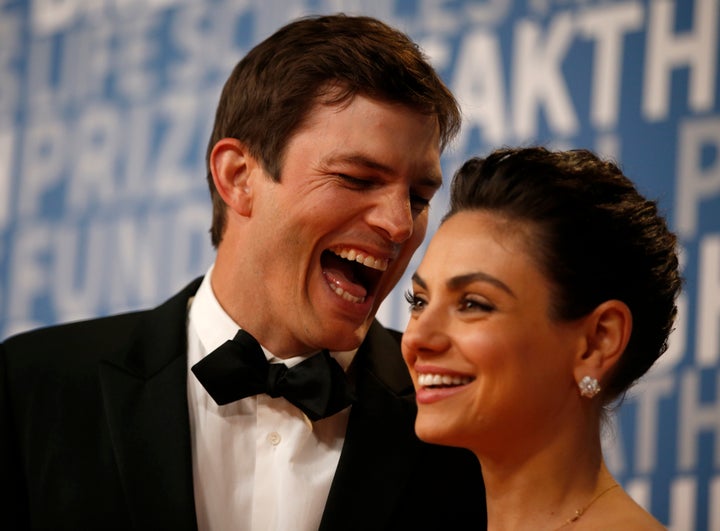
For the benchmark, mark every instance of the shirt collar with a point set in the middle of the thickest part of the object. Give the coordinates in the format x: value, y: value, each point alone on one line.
x: 214, y: 326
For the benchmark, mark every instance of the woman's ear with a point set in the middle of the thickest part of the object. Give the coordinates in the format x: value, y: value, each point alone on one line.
x: 607, y: 331
x: 232, y: 167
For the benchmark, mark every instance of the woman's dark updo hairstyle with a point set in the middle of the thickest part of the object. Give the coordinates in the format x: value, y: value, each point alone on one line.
x: 596, y: 238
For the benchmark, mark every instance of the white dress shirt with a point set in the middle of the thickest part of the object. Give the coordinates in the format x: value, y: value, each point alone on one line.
x: 258, y: 463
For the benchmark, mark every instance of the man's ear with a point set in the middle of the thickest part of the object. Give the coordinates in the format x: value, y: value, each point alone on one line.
x: 232, y: 168
x: 607, y: 333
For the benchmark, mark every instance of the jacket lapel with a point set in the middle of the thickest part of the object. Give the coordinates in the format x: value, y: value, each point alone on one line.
x: 145, y: 400
x: 379, y: 448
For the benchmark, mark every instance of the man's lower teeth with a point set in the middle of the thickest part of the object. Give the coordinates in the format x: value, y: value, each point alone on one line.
x: 345, y: 295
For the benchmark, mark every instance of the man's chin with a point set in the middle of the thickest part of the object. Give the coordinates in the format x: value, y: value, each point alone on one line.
x: 344, y: 336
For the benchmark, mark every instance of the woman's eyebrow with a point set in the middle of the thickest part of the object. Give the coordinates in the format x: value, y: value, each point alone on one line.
x: 462, y: 280
x: 457, y: 282
x: 419, y: 281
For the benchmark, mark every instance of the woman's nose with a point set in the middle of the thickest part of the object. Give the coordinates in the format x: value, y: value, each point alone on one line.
x: 425, y: 335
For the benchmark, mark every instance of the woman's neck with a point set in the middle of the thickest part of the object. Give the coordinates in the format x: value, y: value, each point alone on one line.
x: 543, y: 488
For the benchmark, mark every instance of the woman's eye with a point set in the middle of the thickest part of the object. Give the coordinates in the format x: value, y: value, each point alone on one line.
x: 416, y: 303
x: 474, y: 304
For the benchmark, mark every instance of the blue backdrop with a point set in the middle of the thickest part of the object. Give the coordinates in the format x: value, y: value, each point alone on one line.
x: 106, y: 107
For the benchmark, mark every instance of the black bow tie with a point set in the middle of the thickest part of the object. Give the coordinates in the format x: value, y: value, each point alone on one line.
x: 239, y: 368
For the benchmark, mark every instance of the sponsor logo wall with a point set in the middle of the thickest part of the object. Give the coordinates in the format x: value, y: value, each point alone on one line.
x: 106, y: 107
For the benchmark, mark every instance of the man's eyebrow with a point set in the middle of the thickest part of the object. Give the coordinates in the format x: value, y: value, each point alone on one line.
x: 431, y: 179
x: 459, y: 281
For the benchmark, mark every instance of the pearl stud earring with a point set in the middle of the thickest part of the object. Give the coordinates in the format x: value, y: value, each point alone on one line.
x: 589, y: 386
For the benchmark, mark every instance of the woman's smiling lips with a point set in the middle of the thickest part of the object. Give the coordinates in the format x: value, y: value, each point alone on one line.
x: 435, y: 384
x: 442, y: 380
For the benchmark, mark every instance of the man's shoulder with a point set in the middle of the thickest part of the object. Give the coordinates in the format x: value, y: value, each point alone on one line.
x: 100, y: 335
x: 380, y: 336
x: 69, y: 347
x: 380, y: 350
x: 81, y: 331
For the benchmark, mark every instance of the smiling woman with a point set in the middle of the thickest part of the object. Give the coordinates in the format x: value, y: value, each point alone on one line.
x: 547, y: 291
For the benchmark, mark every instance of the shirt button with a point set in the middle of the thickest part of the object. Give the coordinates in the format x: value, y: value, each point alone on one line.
x: 274, y: 438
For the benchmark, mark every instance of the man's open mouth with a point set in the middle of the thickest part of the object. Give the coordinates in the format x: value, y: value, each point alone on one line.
x: 352, y: 274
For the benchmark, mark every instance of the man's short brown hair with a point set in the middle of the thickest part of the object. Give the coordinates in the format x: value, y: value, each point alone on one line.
x: 327, y: 59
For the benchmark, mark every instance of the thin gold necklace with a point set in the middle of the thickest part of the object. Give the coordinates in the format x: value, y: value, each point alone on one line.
x: 580, y: 512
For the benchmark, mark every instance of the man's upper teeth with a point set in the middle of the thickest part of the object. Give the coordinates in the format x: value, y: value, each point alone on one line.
x: 364, y: 259
x: 426, y: 380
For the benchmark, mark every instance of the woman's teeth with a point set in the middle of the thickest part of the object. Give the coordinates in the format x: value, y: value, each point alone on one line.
x: 434, y: 380
x: 366, y: 260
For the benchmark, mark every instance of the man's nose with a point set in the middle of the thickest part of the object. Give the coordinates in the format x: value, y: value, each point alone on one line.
x: 393, y: 215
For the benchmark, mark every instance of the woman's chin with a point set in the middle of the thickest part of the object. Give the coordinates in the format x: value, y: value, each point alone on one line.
x: 432, y: 431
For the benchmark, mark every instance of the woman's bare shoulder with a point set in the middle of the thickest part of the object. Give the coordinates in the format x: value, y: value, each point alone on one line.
x: 621, y: 512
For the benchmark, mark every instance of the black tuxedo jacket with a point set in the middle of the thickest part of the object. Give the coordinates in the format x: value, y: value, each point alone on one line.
x: 94, y: 434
